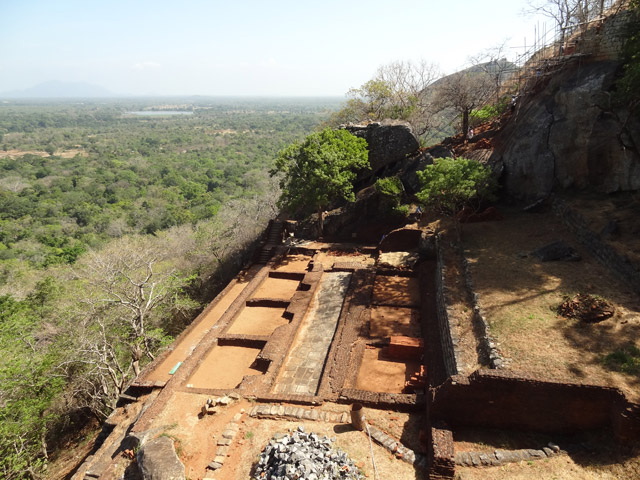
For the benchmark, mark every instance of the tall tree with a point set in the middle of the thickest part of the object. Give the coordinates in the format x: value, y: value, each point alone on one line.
x: 464, y: 91
x: 320, y: 170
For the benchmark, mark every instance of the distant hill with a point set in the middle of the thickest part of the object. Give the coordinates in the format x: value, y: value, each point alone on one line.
x: 57, y: 89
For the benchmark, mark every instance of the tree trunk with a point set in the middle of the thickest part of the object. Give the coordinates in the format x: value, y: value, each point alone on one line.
x: 465, y: 122
x: 320, y: 221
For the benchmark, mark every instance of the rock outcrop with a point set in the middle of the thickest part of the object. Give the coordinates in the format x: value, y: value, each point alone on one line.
x: 158, y: 460
x: 565, y: 134
x: 388, y: 143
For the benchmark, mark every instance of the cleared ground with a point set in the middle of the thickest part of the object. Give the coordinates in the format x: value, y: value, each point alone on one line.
x: 380, y: 373
x: 224, y: 367
x: 519, y: 295
x: 279, y: 288
x: 196, y: 437
x: 258, y: 321
x: 185, y: 346
x: 401, y: 291
x: 294, y: 263
x: 387, y: 321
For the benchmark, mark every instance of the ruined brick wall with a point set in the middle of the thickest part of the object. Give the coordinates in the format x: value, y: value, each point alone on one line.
x: 498, y: 399
x: 442, y: 464
x: 446, y: 333
x: 617, y: 263
x: 603, y: 40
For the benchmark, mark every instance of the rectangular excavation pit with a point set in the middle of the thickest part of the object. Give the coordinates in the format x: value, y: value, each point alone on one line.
x: 297, y: 262
x: 394, y: 290
x: 277, y: 287
x: 387, y: 321
x: 379, y: 372
x: 258, y: 320
x: 335, y: 258
x: 224, y: 367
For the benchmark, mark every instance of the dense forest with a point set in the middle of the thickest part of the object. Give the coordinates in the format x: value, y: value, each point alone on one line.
x: 118, y: 219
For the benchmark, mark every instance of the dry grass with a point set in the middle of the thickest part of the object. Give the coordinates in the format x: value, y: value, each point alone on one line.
x: 585, y: 456
x: 519, y: 295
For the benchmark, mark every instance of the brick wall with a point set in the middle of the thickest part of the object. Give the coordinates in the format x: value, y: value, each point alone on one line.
x: 441, y: 453
x: 446, y: 333
x: 498, y: 399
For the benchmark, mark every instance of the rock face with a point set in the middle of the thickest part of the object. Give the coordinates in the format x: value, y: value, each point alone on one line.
x: 158, y: 460
x: 388, y: 143
x: 565, y: 135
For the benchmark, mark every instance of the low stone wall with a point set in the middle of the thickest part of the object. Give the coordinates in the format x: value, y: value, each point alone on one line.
x: 500, y: 399
x: 481, y: 325
x: 617, y: 263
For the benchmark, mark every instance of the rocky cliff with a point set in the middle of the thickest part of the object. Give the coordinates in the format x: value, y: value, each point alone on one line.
x: 566, y: 133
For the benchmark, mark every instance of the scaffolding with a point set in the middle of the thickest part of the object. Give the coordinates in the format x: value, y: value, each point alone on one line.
x: 598, y: 39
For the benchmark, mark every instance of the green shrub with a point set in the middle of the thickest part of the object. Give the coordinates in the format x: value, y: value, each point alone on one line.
x: 389, y: 186
x: 451, y: 184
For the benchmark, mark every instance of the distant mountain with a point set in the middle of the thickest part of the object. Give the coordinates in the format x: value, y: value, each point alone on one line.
x: 57, y: 89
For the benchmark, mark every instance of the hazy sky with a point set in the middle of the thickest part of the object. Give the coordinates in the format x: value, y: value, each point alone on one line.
x: 244, y: 47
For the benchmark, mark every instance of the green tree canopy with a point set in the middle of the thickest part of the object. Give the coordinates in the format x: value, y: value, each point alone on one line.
x: 320, y: 170
x: 451, y: 184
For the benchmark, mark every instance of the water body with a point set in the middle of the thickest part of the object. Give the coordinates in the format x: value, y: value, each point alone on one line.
x: 156, y: 113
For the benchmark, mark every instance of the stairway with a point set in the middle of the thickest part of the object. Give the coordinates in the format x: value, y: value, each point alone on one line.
x: 274, y: 238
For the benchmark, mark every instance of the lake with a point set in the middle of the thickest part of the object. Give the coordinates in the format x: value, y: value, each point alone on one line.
x: 151, y: 113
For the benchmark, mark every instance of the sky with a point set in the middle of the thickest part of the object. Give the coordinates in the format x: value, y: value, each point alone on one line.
x: 245, y: 47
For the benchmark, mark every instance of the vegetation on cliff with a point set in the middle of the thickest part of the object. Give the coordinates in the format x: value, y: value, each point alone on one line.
x: 451, y: 184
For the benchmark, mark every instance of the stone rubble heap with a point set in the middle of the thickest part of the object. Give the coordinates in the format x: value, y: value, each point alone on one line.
x: 301, y: 455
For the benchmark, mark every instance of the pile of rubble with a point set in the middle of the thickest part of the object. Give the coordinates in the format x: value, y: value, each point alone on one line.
x: 301, y: 455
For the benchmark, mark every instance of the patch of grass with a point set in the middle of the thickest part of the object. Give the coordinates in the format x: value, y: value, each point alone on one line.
x: 625, y: 360
x: 248, y: 435
x: 177, y: 443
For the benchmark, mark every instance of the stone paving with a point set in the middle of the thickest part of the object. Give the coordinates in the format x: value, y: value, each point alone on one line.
x: 302, y: 372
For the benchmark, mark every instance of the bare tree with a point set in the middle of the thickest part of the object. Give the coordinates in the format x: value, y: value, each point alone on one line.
x: 463, y: 92
x: 126, y: 292
x: 493, y: 63
x: 568, y: 14
x: 398, y: 91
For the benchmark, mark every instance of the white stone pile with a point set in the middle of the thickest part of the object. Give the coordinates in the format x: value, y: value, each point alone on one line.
x: 301, y: 455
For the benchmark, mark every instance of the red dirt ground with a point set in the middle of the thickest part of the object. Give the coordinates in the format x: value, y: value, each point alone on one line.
x: 294, y: 263
x: 258, y: 321
x: 191, y: 340
x: 279, y: 288
x: 387, y: 321
x: 379, y: 373
x: 224, y: 367
x: 401, y: 291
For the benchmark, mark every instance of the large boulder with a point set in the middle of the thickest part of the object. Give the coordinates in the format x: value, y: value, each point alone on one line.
x: 158, y: 460
x: 388, y: 143
x: 401, y: 240
x: 565, y: 135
